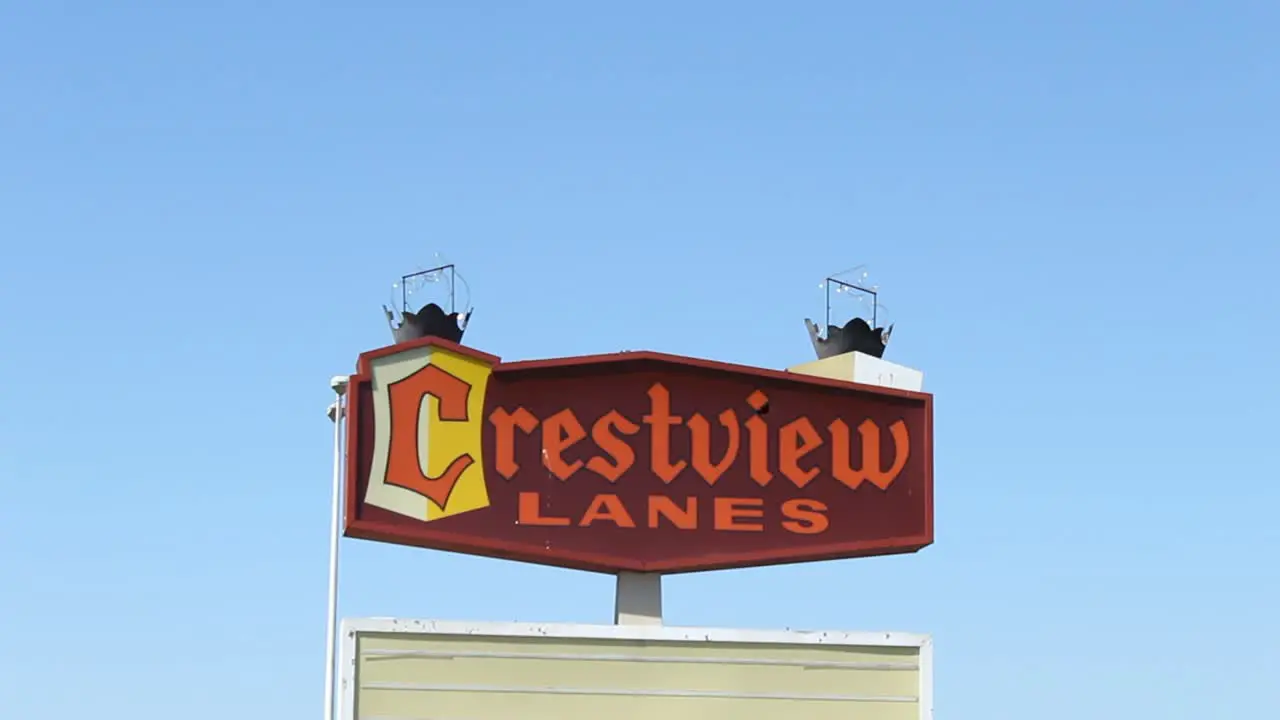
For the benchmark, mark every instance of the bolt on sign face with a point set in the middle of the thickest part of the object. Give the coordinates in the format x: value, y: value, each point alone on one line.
x: 635, y: 461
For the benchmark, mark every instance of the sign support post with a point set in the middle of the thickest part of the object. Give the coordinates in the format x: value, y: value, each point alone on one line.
x: 638, y: 599
x: 336, y: 413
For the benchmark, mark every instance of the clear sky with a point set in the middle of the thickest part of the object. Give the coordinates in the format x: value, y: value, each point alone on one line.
x: 1071, y: 208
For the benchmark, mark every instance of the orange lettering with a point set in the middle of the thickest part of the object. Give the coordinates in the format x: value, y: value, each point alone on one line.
x: 806, y: 517
x: 607, y: 507
x: 623, y: 456
x: 700, y: 433
x: 728, y: 511
x: 504, y: 425
x: 560, y: 432
x: 684, y: 518
x: 404, y: 459
x: 660, y: 420
x: 871, y: 468
x: 758, y: 434
x: 795, y: 440
x: 528, y: 512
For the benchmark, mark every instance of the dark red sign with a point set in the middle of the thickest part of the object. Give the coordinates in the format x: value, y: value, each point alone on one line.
x: 637, y: 461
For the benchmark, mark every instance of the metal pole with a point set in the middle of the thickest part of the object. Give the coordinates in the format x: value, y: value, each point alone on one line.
x: 637, y: 599
x: 336, y: 413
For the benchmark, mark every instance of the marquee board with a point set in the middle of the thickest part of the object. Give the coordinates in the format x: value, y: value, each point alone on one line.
x: 429, y: 670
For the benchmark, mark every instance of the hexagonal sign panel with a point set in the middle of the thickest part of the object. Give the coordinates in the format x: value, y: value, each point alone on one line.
x: 636, y: 461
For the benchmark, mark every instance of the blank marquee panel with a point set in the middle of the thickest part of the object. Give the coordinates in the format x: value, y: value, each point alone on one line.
x: 423, y: 670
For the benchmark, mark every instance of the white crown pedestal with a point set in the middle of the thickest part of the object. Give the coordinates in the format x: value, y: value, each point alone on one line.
x: 866, y: 369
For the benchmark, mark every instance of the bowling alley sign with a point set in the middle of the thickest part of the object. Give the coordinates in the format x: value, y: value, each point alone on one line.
x: 636, y: 461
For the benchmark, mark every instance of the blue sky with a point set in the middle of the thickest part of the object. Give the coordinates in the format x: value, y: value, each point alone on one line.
x: 1071, y: 208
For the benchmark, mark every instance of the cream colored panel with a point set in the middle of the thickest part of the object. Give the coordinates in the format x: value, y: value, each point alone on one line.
x: 443, y: 677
